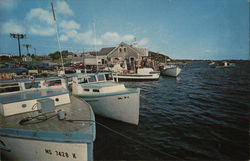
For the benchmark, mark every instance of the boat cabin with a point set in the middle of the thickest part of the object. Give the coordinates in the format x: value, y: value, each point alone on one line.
x: 95, y: 83
x: 24, y: 95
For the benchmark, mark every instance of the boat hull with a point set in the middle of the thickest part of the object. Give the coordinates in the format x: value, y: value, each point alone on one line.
x: 172, y: 72
x: 135, y: 77
x: 29, y: 150
x: 122, y: 107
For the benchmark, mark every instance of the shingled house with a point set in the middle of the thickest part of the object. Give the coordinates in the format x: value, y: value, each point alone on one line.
x: 123, y: 52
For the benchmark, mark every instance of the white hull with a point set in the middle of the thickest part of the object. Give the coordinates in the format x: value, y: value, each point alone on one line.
x: 122, y: 107
x: 32, y: 150
x: 136, y: 77
x: 173, y: 72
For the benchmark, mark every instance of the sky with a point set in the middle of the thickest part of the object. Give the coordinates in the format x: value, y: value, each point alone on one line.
x: 180, y: 29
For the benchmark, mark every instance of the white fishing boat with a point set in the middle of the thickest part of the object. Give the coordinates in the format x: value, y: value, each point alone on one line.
x: 225, y: 64
x: 39, y: 120
x: 142, y: 74
x: 108, y: 98
x: 171, y: 70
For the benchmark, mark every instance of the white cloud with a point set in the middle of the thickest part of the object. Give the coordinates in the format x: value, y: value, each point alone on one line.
x: 111, y: 37
x: 8, y: 4
x: 11, y: 27
x: 40, y: 14
x: 63, y: 38
x: 41, y: 30
x: 128, y: 37
x: 143, y: 42
x: 66, y: 35
x: 63, y: 8
x: 114, y: 37
x: 87, y: 38
x: 69, y: 25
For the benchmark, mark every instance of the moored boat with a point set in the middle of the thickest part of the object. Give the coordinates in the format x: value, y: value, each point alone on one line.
x: 108, y: 98
x: 39, y: 120
x: 171, y: 70
x: 142, y: 74
x: 225, y: 64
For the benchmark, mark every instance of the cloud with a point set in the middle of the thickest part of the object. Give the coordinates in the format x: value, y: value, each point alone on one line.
x: 41, y: 15
x: 8, y: 4
x: 114, y: 37
x: 63, y: 8
x: 11, y: 27
x: 108, y: 38
x: 88, y: 38
x: 69, y: 24
x: 63, y: 38
x: 143, y: 42
x: 111, y: 36
x: 128, y: 37
x: 41, y: 30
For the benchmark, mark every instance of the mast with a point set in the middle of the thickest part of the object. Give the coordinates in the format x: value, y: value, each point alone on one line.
x: 96, y: 57
x: 57, y: 35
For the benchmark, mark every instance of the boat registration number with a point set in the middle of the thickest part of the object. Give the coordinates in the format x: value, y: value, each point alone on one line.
x: 60, y: 154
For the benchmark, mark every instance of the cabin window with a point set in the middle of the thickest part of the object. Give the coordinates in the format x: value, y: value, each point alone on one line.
x: 9, y: 89
x: 82, y: 80
x: 96, y: 90
x: 32, y: 85
x: 54, y: 83
x: 10, y: 84
x: 86, y: 89
x: 108, y: 77
x: 101, y: 77
x: 92, y: 79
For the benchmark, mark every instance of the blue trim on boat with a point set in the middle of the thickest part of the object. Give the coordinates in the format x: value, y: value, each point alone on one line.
x: 90, y: 149
x: 128, y: 91
x: 56, y: 136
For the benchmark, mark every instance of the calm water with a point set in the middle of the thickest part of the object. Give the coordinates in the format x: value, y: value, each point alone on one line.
x: 203, y: 115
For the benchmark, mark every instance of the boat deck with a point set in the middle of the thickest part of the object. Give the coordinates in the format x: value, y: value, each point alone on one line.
x: 51, y: 128
x: 101, y: 85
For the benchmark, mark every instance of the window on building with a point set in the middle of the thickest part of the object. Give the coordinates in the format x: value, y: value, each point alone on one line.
x: 125, y: 50
x: 120, y: 49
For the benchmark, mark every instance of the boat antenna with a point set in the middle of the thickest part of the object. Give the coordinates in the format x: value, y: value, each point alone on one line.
x: 57, y: 35
x: 96, y: 57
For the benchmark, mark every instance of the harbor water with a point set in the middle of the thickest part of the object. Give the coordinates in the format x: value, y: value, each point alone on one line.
x: 202, y: 115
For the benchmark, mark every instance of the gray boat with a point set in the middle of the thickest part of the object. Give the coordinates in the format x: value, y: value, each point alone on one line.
x: 39, y: 120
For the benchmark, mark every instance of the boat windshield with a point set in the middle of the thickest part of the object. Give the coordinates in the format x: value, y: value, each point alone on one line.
x: 30, y: 85
x: 92, y: 79
x: 108, y: 76
x: 11, y: 87
x: 82, y: 80
x: 53, y: 83
x: 101, y: 77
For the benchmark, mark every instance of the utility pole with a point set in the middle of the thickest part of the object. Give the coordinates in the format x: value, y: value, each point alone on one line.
x: 18, y: 37
x: 27, y: 47
x: 34, y: 51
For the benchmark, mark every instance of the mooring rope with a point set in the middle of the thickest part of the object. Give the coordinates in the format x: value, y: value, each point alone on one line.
x: 138, y: 142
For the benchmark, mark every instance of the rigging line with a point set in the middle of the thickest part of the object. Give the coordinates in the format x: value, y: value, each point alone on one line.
x: 95, y: 46
x: 57, y: 35
x: 138, y: 142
